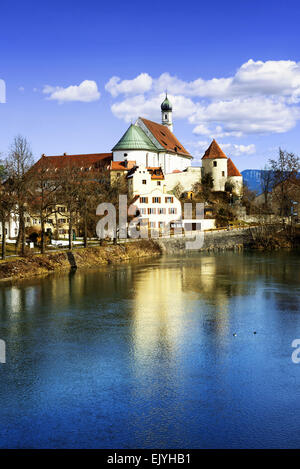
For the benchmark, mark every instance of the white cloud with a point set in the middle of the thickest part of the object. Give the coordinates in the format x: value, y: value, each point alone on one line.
x: 86, y: 92
x: 240, y: 116
x: 133, y: 107
x: 140, y: 84
x: 21, y: 88
x: 260, y: 98
x: 238, y: 150
x: 272, y: 77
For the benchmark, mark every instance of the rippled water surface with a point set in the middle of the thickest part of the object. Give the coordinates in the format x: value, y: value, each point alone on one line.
x: 144, y: 356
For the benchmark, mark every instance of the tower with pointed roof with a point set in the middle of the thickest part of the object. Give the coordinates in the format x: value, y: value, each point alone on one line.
x: 166, y: 113
x: 214, y: 162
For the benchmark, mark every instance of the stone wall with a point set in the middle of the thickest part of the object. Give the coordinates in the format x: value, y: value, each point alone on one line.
x: 223, y: 240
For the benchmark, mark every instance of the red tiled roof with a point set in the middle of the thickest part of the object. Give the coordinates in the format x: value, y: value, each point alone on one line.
x: 214, y: 151
x: 232, y: 169
x: 166, y: 138
x: 84, y: 160
x: 156, y: 172
x: 120, y: 165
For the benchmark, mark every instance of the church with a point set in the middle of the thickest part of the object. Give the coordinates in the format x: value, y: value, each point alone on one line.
x: 151, y: 148
x: 153, y: 145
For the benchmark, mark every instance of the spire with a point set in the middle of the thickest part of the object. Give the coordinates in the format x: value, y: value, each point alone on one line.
x: 166, y: 113
x: 166, y: 105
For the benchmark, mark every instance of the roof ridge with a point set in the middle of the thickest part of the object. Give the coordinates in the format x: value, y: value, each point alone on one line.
x: 165, y: 137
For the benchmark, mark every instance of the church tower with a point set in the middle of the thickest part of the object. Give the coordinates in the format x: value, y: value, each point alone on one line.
x: 166, y: 113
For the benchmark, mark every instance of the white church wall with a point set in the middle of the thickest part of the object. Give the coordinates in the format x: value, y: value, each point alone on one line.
x: 139, y: 156
x: 175, y: 162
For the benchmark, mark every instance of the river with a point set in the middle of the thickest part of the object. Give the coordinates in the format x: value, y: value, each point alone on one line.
x: 155, y: 354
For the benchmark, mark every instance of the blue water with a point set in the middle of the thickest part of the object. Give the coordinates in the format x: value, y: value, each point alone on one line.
x: 144, y: 356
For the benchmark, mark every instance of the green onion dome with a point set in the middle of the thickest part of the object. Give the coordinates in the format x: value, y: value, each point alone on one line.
x: 166, y: 105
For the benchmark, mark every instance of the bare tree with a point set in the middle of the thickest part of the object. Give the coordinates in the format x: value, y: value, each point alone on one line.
x: 266, y: 181
x: 91, y: 187
x: 69, y: 179
x: 177, y: 190
x: 42, y: 194
x: 284, y: 170
x: 6, y: 204
x: 18, y: 163
x: 207, y: 183
x: 248, y: 198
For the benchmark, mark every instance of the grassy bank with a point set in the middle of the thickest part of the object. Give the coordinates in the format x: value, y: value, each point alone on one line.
x: 19, y: 268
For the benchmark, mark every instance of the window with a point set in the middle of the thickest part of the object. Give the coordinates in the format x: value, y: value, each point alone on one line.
x: 152, y: 224
x: 144, y: 181
x: 156, y: 200
x: 169, y: 200
x: 215, y: 163
x: 125, y: 154
x: 151, y: 211
x: 172, y: 211
x: 161, y: 224
x: 158, y: 183
x: 166, y: 116
x: 144, y: 200
x: 143, y: 211
x: 223, y: 173
x: 161, y: 211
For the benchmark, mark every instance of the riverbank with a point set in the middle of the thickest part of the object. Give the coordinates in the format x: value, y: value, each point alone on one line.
x: 41, y: 265
x: 14, y: 269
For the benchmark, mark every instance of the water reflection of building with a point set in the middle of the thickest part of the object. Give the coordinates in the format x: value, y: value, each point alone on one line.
x: 171, y: 294
x: 159, y: 309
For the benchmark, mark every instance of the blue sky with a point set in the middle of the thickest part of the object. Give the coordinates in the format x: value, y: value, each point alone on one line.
x: 231, y: 68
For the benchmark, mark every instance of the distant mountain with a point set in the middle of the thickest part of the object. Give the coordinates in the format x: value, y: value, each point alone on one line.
x: 252, y: 178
